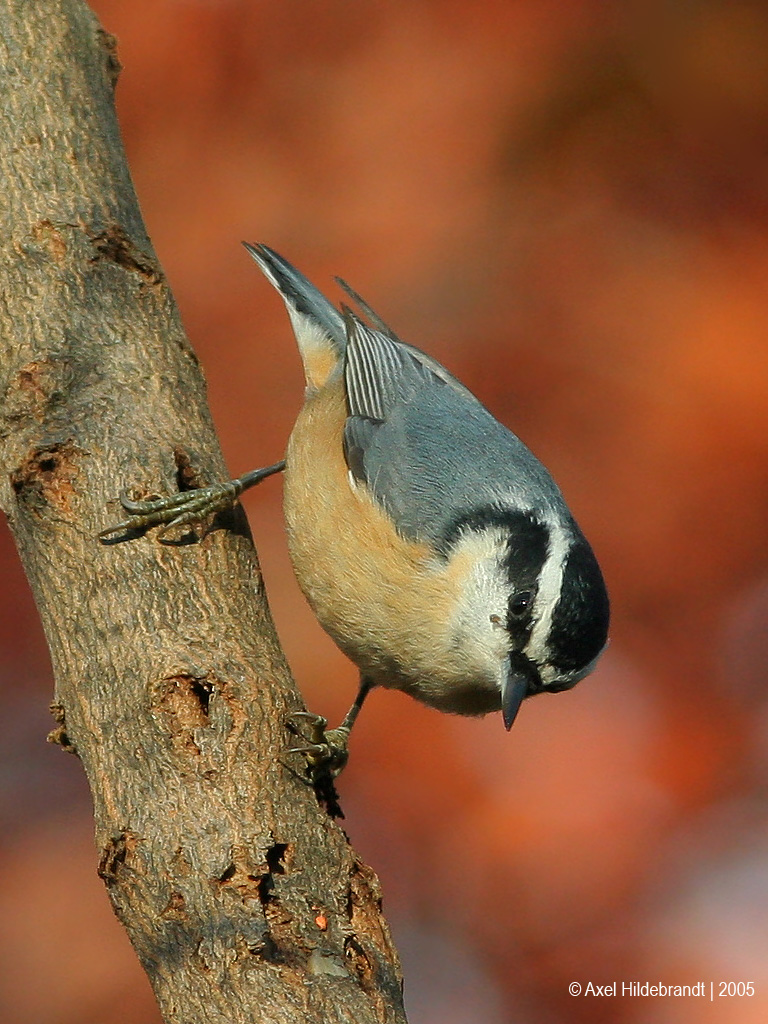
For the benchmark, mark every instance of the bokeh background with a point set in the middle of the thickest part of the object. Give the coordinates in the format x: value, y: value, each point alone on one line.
x: 566, y: 201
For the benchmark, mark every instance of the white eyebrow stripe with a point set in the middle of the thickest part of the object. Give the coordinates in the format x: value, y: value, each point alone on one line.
x: 548, y: 594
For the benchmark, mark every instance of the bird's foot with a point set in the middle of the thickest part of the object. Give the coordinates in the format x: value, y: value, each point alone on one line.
x: 176, y: 510
x: 325, y: 749
x: 186, y: 507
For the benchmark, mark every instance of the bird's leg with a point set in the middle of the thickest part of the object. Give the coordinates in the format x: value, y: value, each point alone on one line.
x: 186, y: 506
x: 326, y: 749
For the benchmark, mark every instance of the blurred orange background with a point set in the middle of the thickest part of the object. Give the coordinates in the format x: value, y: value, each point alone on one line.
x: 567, y: 204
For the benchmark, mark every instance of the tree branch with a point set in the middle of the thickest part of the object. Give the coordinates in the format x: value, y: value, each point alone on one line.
x: 242, y: 898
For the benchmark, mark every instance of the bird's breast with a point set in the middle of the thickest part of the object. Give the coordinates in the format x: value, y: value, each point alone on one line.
x: 389, y: 603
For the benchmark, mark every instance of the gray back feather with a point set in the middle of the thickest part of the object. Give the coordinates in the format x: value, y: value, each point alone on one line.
x: 425, y: 446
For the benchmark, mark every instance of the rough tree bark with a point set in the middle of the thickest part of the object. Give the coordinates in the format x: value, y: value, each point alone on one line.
x: 241, y: 896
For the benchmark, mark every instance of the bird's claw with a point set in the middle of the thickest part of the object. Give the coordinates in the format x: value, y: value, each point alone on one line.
x: 325, y: 749
x: 176, y: 510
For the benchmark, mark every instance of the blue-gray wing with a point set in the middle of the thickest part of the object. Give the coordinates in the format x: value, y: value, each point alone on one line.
x: 426, y: 448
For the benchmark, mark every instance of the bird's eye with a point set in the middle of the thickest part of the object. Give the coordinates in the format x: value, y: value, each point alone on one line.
x: 518, y: 604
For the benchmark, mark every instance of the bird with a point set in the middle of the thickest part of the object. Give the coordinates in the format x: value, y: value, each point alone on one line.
x: 435, y: 549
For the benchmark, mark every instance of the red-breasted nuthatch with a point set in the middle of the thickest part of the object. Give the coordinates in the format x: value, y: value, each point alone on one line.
x: 433, y: 546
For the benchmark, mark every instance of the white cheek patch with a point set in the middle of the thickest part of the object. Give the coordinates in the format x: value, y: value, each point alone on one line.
x: 548, y: 594
x: 482, y: 600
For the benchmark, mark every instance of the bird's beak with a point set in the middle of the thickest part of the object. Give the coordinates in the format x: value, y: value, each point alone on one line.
x: 522, y: 678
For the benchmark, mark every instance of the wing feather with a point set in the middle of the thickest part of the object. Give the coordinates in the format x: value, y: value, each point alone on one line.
x: 373, y: 370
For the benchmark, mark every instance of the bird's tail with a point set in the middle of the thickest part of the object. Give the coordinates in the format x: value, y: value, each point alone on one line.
x: 317, y: 324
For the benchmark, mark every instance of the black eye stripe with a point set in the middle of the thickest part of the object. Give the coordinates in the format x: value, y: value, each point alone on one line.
x: 527, y: 537
x: 520, y: 618
x: 525, y: 556
x: 526, y: 553
x: 519, y: 603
